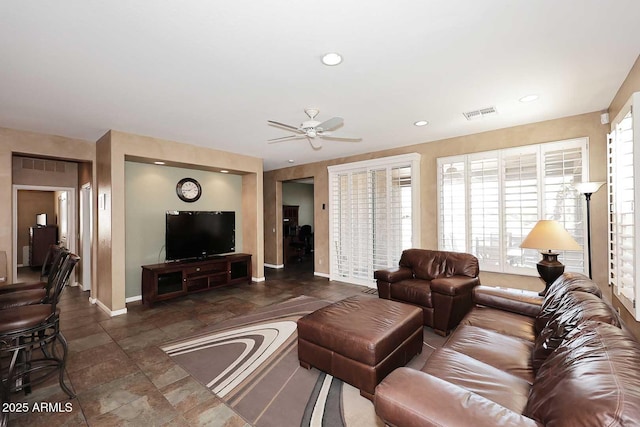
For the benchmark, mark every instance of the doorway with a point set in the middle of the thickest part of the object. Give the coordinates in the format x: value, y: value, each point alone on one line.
x: 58, y: 218
x: 298, y: 224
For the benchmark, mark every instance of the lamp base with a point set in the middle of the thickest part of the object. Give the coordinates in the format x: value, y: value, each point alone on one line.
x: 549, y: 269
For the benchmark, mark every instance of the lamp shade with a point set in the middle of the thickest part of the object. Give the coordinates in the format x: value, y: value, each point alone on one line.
x: 549, y: 234
x: 588, y: 187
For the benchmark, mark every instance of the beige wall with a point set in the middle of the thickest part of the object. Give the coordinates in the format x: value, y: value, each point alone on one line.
x: 52, y: 173
x: 150, y: 192
x: 112, y: 151
x: 31, y: 144
x: 585, y: 125
x: 104, y: 288
x: 630, y: 85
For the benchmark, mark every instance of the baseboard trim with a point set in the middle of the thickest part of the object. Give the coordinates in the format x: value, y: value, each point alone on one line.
x: 133, y: 299
x: 325, y: 275
x: 258, y: 279
x: 107, y: 309
x: 274, y: 265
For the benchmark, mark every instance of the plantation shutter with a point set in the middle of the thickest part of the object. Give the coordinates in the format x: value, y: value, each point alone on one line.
x: 623, y: 163
x: 520, y: 176
x: 372, y: 218
x: 562, y: 202
x: 452, y: 205
x: 484, y: 210
x: 488, y: 202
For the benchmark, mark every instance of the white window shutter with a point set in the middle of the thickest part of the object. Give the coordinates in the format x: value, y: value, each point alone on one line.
x: 623, y: 166
x: 489, y: 201
x: 371, y: 216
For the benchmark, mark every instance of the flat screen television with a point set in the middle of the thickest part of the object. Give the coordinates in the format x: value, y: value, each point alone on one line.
x: 199, y: 234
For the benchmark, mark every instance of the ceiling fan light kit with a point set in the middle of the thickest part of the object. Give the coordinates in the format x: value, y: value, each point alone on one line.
x: 312, y: 129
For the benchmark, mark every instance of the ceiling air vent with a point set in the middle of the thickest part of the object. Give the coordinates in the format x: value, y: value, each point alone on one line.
x: 482, y: 112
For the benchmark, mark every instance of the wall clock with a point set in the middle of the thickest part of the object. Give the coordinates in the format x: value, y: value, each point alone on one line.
x: 188, y: 190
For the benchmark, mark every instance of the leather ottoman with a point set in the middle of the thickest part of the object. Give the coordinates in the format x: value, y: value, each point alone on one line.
x: 360, y: 340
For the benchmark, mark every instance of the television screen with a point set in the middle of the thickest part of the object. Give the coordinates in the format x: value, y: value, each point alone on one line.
x: 199, y: 234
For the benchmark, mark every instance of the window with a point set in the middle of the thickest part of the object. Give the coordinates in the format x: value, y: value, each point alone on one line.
x: 622, y: 164
x: 489, y: 201
x: 373, y: 215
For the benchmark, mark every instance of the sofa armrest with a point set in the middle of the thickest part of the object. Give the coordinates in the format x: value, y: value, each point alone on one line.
x: 408, y: 397
x: 392, y: 275
x: 518, y: 301
x: 385, y: 278
x: 454, y: 285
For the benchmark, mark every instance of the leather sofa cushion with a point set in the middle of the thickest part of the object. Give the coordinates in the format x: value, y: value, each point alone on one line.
x: 428, y: 265
x: 516, y: 300
x: 503, y: 322
x: 509, y: 354
x: 489, y: 382
x: 592, y: 380
x: 365, y: 329
x: 574, y: 308
x: 568, y: 282
x: 408, y: 397
x: 415, y: 291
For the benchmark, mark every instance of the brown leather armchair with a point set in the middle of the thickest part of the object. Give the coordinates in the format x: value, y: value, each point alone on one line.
x: 439, y: 282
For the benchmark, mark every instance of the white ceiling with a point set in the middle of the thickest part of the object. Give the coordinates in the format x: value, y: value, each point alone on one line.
x: 212, y: 73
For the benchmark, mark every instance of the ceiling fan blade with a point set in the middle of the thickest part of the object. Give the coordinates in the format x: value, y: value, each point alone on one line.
x: 315, y: 144
x: 286, y: 138
x: 284, y: 126
x: 331, y: 123
x: 340, y: 137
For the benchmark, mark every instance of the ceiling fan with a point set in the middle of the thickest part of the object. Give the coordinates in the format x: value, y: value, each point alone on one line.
x: 312, y: 129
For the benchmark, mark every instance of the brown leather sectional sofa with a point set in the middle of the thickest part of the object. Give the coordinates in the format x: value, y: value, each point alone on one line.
x: 520, y: 360
x: 438, y: 282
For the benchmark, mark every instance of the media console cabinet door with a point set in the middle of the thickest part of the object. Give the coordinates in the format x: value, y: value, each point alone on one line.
x: 161, y: 284
x: 240, y: 269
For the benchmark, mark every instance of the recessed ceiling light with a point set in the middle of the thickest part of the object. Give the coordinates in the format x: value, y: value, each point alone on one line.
x: 224, y: 171
x: 291, y: 161
x: 331, y: 58
x: 421, y: 123
x: 529, y: 98
x: 159, y: 163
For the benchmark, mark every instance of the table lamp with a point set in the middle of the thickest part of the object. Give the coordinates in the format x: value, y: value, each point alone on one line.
x: 588, y: 188
x: 547, y: 236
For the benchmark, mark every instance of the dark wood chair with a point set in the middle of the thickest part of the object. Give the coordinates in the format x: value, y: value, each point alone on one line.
x: 32, y: 347
x: 58, y: 255
x: 302, y: 242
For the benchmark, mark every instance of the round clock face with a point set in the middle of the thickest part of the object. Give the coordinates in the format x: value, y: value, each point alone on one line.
x: 188, y: 190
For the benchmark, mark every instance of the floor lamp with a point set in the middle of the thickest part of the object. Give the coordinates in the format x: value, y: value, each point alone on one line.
x: 588, y: 188
x: 546, y: 236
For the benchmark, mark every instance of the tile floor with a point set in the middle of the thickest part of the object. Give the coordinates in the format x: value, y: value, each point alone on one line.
x: 120, y: 375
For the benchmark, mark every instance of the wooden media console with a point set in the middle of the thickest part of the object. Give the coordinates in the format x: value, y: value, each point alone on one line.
x: 174, y: 279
